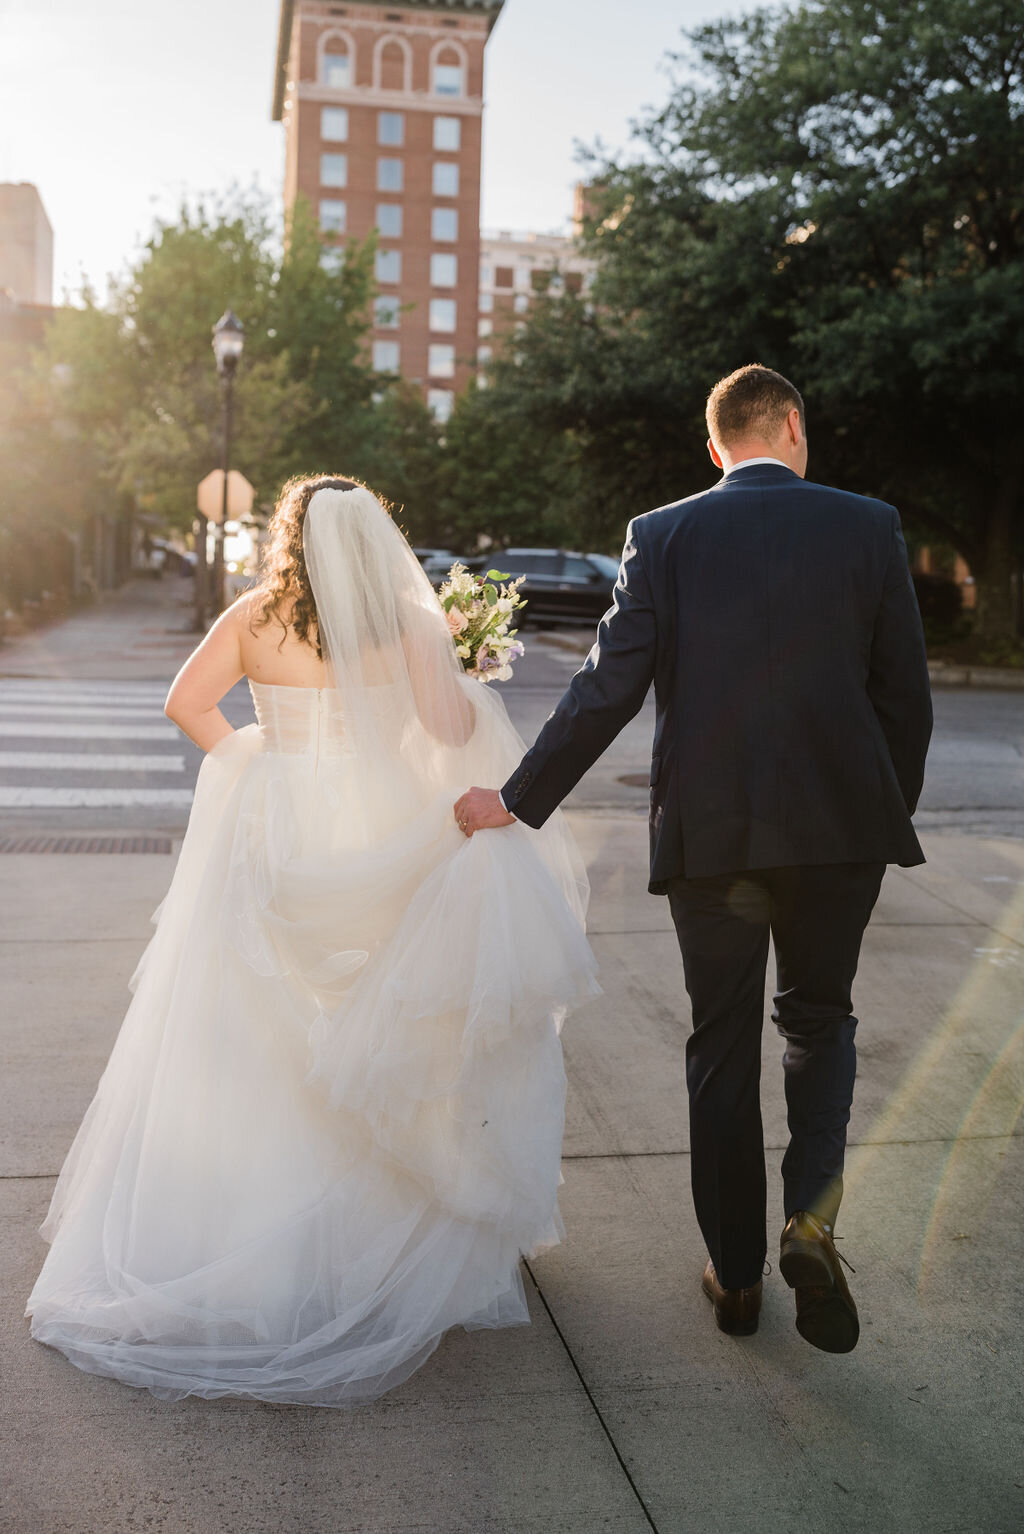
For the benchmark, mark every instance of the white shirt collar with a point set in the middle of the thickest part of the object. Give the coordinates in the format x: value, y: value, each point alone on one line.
x: 748, y: 463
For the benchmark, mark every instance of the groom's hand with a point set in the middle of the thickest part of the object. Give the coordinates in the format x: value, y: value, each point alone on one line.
x: 480, y: 809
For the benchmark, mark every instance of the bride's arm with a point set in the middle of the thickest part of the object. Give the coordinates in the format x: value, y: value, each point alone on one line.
x: 444, y: 710
x: 210, y: 672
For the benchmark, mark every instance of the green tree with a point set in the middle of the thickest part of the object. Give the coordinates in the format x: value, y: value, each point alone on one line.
x: 126, y: 396
x: 890, y: 138
x: 836, y: 190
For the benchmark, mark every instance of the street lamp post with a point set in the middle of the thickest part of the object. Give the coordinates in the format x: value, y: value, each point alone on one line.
x: 228, y: 341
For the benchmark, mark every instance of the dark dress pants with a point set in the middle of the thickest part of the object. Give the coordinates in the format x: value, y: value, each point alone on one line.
x: 816, y: 916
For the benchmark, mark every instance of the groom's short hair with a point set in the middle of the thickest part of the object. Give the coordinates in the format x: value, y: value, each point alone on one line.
x: 752, y: 402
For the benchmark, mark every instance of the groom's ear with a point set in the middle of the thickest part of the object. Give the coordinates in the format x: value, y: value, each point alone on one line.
x: 715, y: 459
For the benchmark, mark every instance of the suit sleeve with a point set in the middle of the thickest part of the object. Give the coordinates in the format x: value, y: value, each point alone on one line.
x: 898, y: 684
x: 603, y: 696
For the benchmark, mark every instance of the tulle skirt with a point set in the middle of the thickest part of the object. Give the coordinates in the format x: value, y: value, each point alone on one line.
x: 331, y: 1123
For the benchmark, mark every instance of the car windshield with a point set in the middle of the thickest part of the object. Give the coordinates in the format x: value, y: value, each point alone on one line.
x: 606, y: 564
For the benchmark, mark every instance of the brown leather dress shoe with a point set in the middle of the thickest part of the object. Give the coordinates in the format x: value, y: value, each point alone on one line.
x: 825, y: 1313
x: 736, y: 1310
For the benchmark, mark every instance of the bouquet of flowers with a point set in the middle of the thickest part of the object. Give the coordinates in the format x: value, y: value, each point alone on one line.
x: 479, y: 611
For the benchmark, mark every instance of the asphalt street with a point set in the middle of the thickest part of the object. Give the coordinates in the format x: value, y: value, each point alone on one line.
x: 81, y: 750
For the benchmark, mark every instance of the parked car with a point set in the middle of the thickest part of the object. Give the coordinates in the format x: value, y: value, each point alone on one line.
x: 436, y: 563
x: 558, y: 583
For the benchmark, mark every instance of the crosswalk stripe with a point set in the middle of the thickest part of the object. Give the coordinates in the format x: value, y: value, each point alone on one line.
x: 90, y: 798
x: 16, y: 686
x: 91, y: 761
x: 77, y: 710
x: 44, y: 730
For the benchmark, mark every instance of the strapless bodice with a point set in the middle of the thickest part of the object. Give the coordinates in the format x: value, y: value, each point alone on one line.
x: 299, y: 720
x: 317, y: 721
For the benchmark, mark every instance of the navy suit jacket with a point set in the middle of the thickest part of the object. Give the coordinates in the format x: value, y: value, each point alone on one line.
x: 778, y: 622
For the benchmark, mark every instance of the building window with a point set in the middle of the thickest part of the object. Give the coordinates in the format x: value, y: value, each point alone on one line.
x: 389, y: 176
x: 390, y: 128
x: 449, y: 80
x: 447, y: 133
x: 385, y: 313
x: 504, y: 277
x: 334, y: 124
x: 522, y: 303
x: 334, y: 170
x: 332, y: 260
x: 483, y: 355
x: 336, y: 70
x: 440, y: 403
x: 444, y: 271
x: 486, y: 274
x: 486, y: 303
x: 385, y: 356
x: 574, y: 282
x: 446, y: 178
x: 389, y: 220
x: 444, y: 224
x: 388, y: 266
x: 441, y: 362
x: 442, y: 314
x: 484, y: 327
x: 332, y: 216
x: 393, y: 61
x: 522, y: 277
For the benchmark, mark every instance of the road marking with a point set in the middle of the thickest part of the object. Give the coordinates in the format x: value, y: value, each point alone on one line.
x: 26, y: 728
x: 90, y: 798
x: 79, y: 710
x: 129, y: 693
x: 91, y: 761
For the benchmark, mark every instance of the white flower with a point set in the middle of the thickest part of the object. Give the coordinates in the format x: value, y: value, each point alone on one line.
x: 463, y: 651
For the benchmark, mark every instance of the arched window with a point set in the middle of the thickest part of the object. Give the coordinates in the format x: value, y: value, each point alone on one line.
x: 448, y: 68
x: 392, y: 64
x: 336, y: 60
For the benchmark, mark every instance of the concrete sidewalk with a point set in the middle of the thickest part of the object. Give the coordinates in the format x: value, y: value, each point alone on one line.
x: 153, y: 616
x: 621, y: 1408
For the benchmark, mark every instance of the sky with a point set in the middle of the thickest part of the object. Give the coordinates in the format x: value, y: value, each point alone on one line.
x: 119, y: 109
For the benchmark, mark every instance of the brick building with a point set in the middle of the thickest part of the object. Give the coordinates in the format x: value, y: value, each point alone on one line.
x: 514, y: 270
x: 26, y: 244
x: 382, y: 102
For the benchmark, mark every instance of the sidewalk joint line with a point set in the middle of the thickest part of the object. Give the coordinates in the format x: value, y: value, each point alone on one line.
x: 977, y: 921
x: 951, y: 1139
x: 589, y: 1395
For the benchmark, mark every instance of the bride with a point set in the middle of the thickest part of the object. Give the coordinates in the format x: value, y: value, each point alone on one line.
x: 331, y: 1122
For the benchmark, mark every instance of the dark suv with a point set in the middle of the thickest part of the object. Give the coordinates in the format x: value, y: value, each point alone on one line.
x: 559, y: 584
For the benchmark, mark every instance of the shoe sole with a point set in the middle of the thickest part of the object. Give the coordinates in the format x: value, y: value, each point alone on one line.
x: 832, y: 1327
x: 804, y: 1265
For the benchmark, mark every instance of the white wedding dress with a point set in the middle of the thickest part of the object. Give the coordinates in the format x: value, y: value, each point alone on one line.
x: 332, y: 1120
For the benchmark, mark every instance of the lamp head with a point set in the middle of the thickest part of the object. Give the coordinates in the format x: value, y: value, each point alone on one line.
x: 228, y: 341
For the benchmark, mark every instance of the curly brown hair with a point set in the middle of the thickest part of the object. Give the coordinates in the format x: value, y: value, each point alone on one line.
x: 283, y: 593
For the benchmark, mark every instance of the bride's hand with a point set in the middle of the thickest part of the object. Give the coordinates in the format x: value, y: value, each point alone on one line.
x: 481, y: 809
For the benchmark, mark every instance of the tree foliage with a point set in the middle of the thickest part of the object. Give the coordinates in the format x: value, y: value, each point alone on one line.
x: 122, y: 404
x: 836, y: 190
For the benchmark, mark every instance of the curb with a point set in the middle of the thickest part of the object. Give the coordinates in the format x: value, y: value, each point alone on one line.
x: 1005, y: 678
x: 942, y: 673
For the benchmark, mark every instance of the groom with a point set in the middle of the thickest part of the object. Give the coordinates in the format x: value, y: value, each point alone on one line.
x: 778, y: 623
